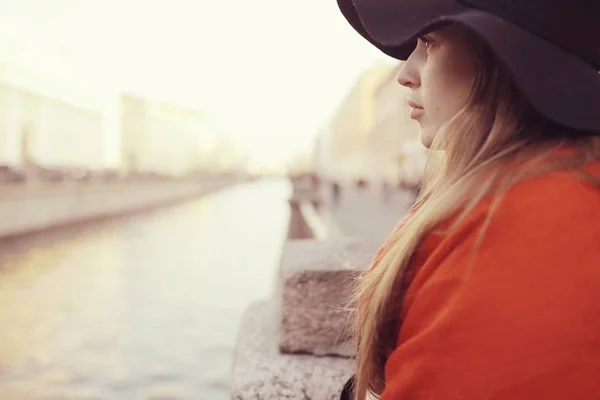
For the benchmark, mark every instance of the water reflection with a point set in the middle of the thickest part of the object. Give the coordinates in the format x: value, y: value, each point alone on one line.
x: 145, y: 307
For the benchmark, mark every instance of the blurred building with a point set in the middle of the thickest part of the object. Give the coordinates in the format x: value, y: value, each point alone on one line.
x: 394, y: 147
x: 342, y: 145
x: 301, y: 164
x: 166, y: 139
x: 53, y: 114
x: 226, y: 156
x: 372, y: 136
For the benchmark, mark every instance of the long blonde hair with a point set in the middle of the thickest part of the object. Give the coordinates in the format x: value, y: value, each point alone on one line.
x: 485, y: 147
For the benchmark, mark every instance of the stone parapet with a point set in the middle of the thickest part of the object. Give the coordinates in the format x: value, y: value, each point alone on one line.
x: 297, y: 345
x: 317, y: 279
x: 308, y: 220
x: 261, y: 371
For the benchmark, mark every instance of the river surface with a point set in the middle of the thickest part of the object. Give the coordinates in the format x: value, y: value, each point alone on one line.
x: 140, y: 307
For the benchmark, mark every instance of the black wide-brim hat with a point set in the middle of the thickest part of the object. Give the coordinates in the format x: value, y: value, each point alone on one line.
x: 551, y: 47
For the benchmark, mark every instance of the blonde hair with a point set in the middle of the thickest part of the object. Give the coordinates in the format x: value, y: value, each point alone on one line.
x: 485, y: 148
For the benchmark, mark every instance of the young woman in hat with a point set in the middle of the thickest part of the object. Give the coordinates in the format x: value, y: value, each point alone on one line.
x: 490, y: 287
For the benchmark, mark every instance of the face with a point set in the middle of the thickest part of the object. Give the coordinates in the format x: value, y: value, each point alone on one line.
x: 440, y: 73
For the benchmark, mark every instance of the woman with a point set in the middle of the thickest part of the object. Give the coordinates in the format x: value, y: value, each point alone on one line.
x: 490, y: 287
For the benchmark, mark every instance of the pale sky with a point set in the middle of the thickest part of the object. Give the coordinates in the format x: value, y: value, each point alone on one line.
x: 270, y: 73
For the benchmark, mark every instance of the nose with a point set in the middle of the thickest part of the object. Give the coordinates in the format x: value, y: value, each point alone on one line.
x: 408, y: 75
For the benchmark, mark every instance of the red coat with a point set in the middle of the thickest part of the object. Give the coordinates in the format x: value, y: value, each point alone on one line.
x: 519, y: 319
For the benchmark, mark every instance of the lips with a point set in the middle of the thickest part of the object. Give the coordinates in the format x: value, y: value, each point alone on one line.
x: 416, y: 113
x: 412, y: 104
x: 417, y: 110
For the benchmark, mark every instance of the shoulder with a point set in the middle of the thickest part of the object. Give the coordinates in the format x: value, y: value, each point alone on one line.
x: 557, y: 207
x: 540, y: 229
x: 555, y: 194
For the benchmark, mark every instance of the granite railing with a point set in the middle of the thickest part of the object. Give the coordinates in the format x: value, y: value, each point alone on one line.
x: 296, y: 345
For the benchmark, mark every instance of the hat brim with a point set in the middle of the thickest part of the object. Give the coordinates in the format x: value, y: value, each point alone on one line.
x: 561, y: 86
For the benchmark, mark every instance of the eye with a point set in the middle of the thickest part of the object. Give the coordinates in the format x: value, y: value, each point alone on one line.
x: 426, y: 40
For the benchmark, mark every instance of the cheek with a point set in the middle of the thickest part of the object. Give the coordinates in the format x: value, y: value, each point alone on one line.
x: 460, y: 78
x: 437, y: 95
x: 449, y: 87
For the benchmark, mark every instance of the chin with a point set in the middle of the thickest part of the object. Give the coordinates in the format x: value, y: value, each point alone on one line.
x: 426, y: 137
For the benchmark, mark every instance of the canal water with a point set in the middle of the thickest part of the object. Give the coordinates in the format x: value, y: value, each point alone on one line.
x: 141, y: 307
